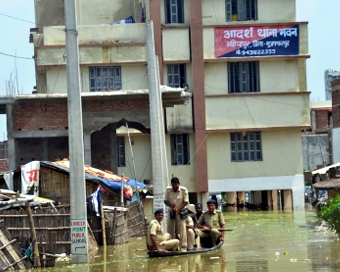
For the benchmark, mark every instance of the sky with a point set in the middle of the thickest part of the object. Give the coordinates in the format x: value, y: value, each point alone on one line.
x: 17, y: 17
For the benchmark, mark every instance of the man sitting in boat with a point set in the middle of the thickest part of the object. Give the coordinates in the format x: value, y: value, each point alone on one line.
x: 209, y: 223
x: 156, y: 239
x: 197, y: 213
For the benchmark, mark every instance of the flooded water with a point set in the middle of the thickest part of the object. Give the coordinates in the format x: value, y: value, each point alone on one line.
x: 260, y: 241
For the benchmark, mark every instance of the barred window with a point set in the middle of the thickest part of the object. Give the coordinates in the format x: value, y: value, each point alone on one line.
x: 121, y: 151
x: 105, y: 78
x: 243, y: 77
x: 179, y: 149
x: 174, y: 12
x: 245, y: 146
x: 176, y: 75
x: 241, y: 10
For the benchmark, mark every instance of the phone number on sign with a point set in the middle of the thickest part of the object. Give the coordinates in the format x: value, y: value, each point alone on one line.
x: 256, y: 52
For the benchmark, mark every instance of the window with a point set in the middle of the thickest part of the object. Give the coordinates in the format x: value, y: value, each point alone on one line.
x: 179, y: 149
x: 243, y: 77
x: 105, y: 78
x: 174, y: 12
x: 241, y: 10
x: 121, y: 151
x: 245, y: 146
x: 176, y: 75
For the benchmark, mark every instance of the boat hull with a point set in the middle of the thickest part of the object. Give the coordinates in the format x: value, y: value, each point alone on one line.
x: 156, y: 253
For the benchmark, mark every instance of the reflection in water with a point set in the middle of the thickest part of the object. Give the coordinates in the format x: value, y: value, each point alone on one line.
x: 261, y: 241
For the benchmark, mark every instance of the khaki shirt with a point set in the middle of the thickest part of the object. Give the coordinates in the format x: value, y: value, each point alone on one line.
x: 189, y: 221
x: 155, y: 228
x: 177, y: 197
x: 213, y: 221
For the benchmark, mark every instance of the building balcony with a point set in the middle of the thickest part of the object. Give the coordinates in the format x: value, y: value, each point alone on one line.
x: 100, y: 44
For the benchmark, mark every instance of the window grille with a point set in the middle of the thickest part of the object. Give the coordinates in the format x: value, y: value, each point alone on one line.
x: 179, y: 149
x: 176, y: 75
x: 105, y: 78
x: 241, y: 10
x: 174, y: 12
x: 245, y: 146
x: 121, y: 151
x: 243, y: 77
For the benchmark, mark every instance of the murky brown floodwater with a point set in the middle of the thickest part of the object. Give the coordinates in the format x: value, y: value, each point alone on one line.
x: 261, y: 241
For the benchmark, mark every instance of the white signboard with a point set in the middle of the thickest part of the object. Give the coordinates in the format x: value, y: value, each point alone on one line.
x: 78, y: 237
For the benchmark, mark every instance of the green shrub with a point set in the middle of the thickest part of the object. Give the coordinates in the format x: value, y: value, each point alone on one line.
x: 331, y: 213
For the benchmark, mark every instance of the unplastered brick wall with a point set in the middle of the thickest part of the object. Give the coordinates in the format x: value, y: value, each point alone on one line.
x: 40, y: 116
x: 336, y: 102
x: 122, y: 105
x: 322, y: 118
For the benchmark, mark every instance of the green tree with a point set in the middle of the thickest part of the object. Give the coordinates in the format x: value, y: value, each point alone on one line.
x: 331, y: 214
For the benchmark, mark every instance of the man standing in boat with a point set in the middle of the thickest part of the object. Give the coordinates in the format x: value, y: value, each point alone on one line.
x: 209, y: 224
x: 156, y: 239
x: 177, y: 198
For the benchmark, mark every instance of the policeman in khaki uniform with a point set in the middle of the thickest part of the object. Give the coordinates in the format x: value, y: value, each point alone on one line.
x: 156, y: 239
x: 177, y: 198
x: 209, y: 223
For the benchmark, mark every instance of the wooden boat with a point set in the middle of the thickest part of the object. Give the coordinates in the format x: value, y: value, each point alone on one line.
x: 205, y: 248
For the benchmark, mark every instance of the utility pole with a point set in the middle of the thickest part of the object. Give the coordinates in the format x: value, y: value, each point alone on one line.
x: 79, y: 234
x: 158, y: 154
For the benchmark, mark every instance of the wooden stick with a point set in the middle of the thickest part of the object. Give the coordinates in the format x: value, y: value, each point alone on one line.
x: 18, y: 261
x: 36, y: 258
x: 103, y: 223
x: 11, y: 242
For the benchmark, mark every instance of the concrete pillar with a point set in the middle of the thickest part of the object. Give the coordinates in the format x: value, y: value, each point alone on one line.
x: 87, y: 148
x: 288, y: 201
x: 257, y: 197
x: 12, y: 163
x: 79, y: 247
x: 114, y: 149
x: 204, y: 196
x: 275, y: 200
x: 231, y: 199
x: 241, y: 197
x: 158, y: 151
x: 197, y: 67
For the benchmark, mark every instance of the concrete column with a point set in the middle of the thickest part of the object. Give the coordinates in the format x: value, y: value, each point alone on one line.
x: 241, y: 197
x: 196, y: 38
x: 231, y: 198
x: 114, y: 149
x: 12, y: 163
x: 87, y: 148
x: 158, y: 155
x: 204, y: 196
x: 257, y: 197
x: 275, y: 200
x: 288, y: 201
x: 79, y: 234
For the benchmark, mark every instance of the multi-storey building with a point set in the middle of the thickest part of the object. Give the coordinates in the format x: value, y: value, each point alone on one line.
x: 330, y: 75
x: 335, y: 135
x: 244, y: 63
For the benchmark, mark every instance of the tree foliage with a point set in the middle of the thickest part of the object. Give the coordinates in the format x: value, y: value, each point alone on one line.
x: 331, y: 213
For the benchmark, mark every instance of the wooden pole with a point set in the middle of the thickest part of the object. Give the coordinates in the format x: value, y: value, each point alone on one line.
x: 103, y: 223
x: 36, y: 258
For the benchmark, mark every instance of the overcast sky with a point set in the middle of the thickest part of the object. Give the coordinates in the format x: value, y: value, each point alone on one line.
x: 17, y: 17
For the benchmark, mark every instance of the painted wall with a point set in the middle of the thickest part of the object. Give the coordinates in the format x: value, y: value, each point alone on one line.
x: 336, y: 145
x: 213, y: 12
x: 275, y: 76
x: 281, y: 152
x: 179, y: 118
x: 315, y: 150
x: 142, y: 157
x: 97, y: 34
x: 134, y: 77
x: 176, y: 44
x: 107, y: 11
x: 257, y: 111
